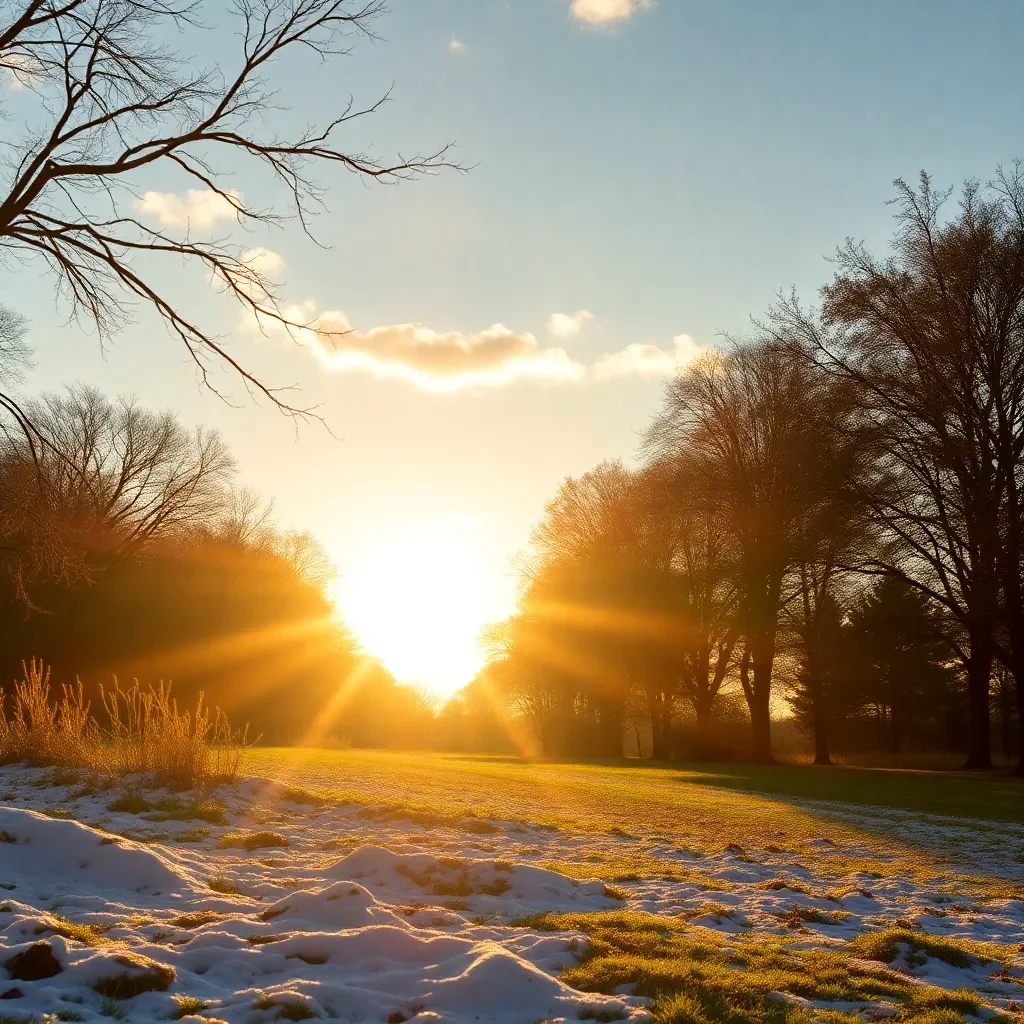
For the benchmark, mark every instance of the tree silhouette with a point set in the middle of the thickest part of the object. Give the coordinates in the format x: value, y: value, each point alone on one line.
x: 113, y: 98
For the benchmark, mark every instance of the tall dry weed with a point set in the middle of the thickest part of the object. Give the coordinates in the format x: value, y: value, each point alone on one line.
x: 44, y: 732
x: 146, y: 732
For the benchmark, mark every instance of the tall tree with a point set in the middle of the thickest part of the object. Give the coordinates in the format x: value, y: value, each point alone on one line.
x: 704, y: 565
x: 832, y: 536
x: 932, y: 338
x: 897, y: 665
x: 743, y: 417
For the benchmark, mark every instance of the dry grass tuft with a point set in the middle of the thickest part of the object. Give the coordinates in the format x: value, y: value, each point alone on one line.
x: 146, y: 734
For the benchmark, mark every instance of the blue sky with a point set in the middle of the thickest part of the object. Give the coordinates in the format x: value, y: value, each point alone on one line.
x: 666, y: 170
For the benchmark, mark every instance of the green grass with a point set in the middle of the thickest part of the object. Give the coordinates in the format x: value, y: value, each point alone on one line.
x: 696, y: 976
x: 704, y: 808
x: 987, y: 797
x: 884, y: 946
x: 199, y: 809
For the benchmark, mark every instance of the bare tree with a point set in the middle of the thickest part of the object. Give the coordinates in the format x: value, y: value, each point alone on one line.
x: 306, y: 555
x: 932, y: 338
x: 704, y: 565
x: 114, y: 99
x: 832, y: 533
x: 36, y: 540
x: 116, y: 475
x: 742, y: 417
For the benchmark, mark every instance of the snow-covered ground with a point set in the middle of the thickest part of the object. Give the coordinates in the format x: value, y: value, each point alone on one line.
x: 368, y: 918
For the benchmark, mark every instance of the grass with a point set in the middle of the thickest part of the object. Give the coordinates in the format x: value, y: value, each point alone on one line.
x: 87, y: 934
x: 884, y: 946
x: 198, y: 809
x: 696, y: 976
x: 146, y: 732
x: 253, y: 841
x: 634, y: 868
x: 140, y: 975
x: 218, y: 883
x: 286, y: 1009
x: 700, y: 808
x: 188, y: 1005
x: 130, y: 803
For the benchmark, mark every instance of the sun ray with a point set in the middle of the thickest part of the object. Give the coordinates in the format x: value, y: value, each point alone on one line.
x: 417, y: 596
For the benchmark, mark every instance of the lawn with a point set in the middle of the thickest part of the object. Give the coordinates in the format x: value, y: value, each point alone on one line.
x: 705, y: 807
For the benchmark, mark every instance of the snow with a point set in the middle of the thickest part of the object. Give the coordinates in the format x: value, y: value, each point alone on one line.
x: 371, y: 919
x: 364, y: 937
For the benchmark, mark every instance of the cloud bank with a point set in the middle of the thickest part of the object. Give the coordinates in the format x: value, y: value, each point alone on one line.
x: 601, y: 12
x: 446, y: 361
x: 440, y: 361
x: 199, y: 208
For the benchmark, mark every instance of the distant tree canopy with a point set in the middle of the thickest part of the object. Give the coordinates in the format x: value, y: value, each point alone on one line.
x: 157, y: 568
x: 829, y: 516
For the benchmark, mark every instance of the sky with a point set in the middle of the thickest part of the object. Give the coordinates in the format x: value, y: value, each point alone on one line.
x: 640, y: 177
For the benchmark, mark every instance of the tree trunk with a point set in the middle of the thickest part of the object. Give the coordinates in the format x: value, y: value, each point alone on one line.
x: 702, y: 706
x: 610, y: 729
x: 761, y: 724
x: 819, y: 715
x: 656, y: 704
x: 1015, y: 615
x: 759, y: 702
x: 1018, y: 679
x: 979, y: 675
x: 822, y: 754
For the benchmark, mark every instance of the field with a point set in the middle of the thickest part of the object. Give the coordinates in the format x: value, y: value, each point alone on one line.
x: 891, y: 818
x: 367, y: 886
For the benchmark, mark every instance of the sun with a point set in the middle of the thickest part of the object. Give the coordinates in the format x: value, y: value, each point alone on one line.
x: 417, y: 596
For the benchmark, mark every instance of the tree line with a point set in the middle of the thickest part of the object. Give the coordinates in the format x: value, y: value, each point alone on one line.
x: 826, y: 521
x: 127, y: 549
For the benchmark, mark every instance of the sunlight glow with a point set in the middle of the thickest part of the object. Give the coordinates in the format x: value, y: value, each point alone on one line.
x: 417, y: 596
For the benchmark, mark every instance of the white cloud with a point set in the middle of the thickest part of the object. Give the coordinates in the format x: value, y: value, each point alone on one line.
x: 436, y: 361
x: 445, y: 361
x: 199, y: 208
x: 456, y: 46
x: 265, y: 262
x: 568, y: 325
x: 600, y: 12
x: 432, y: 360
x: 639, y: 360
